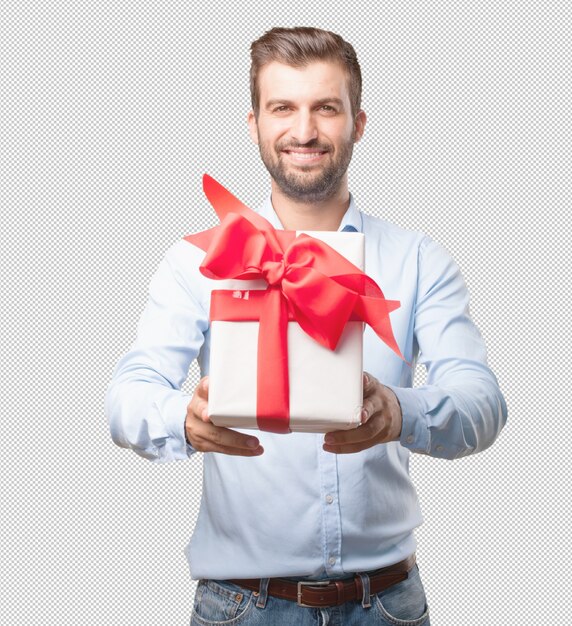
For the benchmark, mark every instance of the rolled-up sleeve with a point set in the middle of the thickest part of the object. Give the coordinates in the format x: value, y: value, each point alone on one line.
x: 461, y: 409
x: 144, y: 404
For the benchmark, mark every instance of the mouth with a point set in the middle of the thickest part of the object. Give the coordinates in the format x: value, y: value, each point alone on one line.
x: 298, y: 155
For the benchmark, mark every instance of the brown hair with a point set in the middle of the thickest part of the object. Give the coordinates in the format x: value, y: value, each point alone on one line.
x: 299, y: 46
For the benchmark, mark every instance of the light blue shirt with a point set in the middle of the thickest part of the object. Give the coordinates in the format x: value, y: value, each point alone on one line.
x: 297, y: 510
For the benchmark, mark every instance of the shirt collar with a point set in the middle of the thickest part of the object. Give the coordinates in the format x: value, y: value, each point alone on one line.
x: 351, y: 221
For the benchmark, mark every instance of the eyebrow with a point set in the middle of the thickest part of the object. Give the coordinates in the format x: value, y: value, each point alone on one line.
x: 319, y: 102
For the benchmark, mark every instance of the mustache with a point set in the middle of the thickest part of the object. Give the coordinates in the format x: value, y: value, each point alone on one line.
x: 309, y: 145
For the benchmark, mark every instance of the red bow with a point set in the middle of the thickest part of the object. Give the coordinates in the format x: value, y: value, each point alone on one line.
x: 307, y: 280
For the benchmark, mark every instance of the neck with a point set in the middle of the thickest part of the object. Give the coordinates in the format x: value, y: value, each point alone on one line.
x: 313, y: 215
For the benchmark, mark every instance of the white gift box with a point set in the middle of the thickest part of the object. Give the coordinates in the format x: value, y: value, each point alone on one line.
x: 326, y: 388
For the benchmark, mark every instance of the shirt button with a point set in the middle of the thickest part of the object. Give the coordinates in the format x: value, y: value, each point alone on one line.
x: 409, y: 439
x: 439, y: 448
x: 329, y: 499
x: 331, y: 560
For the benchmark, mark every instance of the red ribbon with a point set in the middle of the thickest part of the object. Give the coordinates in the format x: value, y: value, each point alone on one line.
x: 307, y: 280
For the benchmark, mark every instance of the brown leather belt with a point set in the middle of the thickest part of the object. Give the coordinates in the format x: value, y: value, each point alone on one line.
x: 323, y: 593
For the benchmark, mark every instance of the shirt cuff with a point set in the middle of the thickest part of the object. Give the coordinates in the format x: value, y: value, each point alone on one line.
x: 174, y: 414
x: 415, y: 433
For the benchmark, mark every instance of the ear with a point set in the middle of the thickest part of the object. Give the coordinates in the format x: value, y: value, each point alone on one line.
x: 359, y: 124
x: 252, y: 127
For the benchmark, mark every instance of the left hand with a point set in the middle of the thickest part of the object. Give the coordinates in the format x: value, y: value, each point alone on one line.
x: 381, y: 421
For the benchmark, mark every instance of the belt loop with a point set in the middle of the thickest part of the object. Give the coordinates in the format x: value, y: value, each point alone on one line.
x: 366, y: 597
x: 262, y: 593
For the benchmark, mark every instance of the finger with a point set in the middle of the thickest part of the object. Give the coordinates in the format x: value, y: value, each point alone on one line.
x: 202, y: 389
x: 241, y: 451
x: 218, y: 438
x: 358, y: 441
x: 350, y: 448
x: 198, y: 408
x: 373, y: 404
x: 362, y: 433
x: 202, y: 410
x: 199, y: 402
x: 373, y: 400
x: 208, y: 445
x: 234, y: 451
x: 369, y: 384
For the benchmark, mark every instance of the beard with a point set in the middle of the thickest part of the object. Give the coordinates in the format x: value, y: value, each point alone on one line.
x: 307, y: 183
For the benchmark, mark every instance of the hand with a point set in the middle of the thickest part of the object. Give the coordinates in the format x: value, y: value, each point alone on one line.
x: 381, y: 421
x: 204, y: 436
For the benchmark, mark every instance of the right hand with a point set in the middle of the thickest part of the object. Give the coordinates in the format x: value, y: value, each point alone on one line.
x: 204, y: 436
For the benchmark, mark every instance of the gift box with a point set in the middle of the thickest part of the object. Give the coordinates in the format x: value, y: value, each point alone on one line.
x: 325, y: 386
x: 287, y: 327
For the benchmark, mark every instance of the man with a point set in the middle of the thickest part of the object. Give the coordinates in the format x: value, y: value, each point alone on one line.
x: 280, y: 512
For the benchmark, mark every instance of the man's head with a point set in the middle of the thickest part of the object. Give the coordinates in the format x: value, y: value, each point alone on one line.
x: 299, y: 46
x: 306, y: 93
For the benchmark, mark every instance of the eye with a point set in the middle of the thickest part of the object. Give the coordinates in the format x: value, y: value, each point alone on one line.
x: 328, y: 108
x: 281, y: 108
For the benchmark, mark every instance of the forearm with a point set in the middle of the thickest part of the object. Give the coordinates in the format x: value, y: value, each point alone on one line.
x: 145, y: 406
x: 461, y: 415
x: 461, y: 409
x: 147, y: 415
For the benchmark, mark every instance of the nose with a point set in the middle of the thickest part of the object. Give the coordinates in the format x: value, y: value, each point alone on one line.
x: 304, y: 128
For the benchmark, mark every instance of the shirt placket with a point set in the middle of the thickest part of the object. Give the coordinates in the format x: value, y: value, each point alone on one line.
x: 329, y: 505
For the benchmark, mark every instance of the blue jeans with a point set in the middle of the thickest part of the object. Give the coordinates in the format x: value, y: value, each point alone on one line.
x: 218, y: 603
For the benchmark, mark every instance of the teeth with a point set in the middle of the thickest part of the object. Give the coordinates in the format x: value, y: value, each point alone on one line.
x: 306, y: 155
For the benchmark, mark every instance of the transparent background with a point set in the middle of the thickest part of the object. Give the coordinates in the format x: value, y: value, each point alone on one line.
x: 110, y: 114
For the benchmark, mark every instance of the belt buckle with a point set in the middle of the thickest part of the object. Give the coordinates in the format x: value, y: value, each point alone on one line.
x: 311, y: 583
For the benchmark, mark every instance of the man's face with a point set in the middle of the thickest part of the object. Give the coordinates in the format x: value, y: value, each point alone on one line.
x: 305, y: 130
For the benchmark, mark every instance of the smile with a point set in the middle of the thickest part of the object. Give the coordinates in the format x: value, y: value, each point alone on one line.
x: 305, y: 157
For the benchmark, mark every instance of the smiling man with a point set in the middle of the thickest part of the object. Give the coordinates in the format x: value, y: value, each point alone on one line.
x: 308, y: 529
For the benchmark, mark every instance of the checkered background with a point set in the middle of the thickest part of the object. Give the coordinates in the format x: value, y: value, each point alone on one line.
x: 111, y: 113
